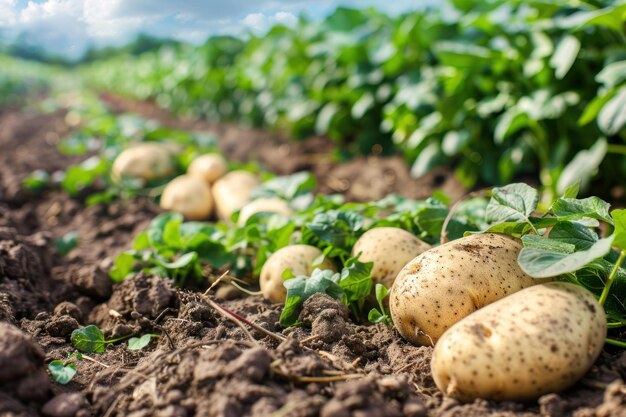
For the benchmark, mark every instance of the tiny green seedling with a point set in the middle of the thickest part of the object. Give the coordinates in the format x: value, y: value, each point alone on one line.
x: 90, y: 339
x: 380, y: 314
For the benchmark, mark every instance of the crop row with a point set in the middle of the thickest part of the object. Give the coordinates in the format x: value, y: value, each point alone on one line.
x: 498, y: 90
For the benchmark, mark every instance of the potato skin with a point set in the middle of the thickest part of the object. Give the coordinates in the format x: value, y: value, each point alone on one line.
x: 451, y: 281
x: 146, y: 161
x: 390, y: 248
x: 232, y: 192
x: 260, y: 205
x: 188, y: 195
x: 539, y: 340
x: 298, y: 258
x: 210, y: 167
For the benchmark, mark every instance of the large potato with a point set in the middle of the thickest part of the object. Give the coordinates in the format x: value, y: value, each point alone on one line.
x: 210, y: 167
x: 298, y: 258
x: 540, y: 340
x: 188, y: 195
x: 232, y: 192
x: 263, y: 205
x: 146, y: 162
x: 451, y: 281
x: 390, y: 249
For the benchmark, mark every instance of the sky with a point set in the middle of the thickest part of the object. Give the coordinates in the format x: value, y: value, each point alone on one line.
x: 68, y: 27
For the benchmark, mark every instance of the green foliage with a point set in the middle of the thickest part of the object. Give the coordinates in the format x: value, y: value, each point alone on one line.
x: 498, y: 90
x: 61, y: 372
x: 380, y: 314
x: 138, y: 343
x: 66, y: 243
x: 89, y: 339
x: 566, y: 241
x: 352, y: 286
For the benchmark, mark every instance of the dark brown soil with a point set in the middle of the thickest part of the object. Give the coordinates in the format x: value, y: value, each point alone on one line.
x: 203, y: 364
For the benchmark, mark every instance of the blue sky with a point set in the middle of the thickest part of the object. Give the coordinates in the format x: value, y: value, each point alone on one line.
x: 68, y: 26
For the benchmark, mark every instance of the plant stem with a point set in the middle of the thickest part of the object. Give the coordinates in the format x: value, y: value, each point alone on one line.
x: 619, y: 149
x: 609, y: 282
x: 615, y: 342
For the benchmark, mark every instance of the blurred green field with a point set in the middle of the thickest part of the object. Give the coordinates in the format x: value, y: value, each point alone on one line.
x: 497, y: 90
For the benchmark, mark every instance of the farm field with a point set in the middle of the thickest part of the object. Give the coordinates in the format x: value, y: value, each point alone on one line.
x: 352, y: 216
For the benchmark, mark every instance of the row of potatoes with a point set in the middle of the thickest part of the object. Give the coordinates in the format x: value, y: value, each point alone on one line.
x: 207, y: 190
x: 497, y: 333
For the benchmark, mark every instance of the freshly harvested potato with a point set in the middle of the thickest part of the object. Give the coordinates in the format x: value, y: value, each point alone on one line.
x: 451, y: 281
x: 539, y: 340
x: 232, y: 192
x: 146, y: 162
x: 298, y: 258
x: 188, y: 195
x: 390, y: 248
x: 269, y: 205
x: 210, y: 167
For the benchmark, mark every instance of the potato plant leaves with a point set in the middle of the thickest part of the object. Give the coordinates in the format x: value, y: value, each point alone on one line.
x: 89, y: 339
x: 138, y: 343
x: 512, y: 203
x: 300, y: 288
x: 60, y: 372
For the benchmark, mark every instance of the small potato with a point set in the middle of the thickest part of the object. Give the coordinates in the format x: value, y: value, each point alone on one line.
x: 390, y: 248
x: 146, y: 162
x: 210, y: 167
x: 298, y: 258
x: 539, y: 340
x: 232, y: 192
x: 190, y: 196
x: 449, y: 282
x: 267, y: 205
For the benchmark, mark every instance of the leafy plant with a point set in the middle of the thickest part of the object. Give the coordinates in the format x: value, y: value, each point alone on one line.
x: 66, y: 243
x: 380, y: 314
x: 566, y: 241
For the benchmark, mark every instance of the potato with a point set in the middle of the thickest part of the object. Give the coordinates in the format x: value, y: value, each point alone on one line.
x: 539, y: 340
x: 298, y: 258
x: 232, y: 192
x: 446, y: 283
x: 210, y: 167
x: 146, y: 162
x: 268, y: 205
x: 390, y: 248
x: 188, y: 195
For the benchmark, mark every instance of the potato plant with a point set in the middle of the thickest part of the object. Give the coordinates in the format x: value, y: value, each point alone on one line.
x: 543, y: 96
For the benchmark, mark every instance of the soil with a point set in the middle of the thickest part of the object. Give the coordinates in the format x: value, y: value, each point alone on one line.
x: 204, y: 364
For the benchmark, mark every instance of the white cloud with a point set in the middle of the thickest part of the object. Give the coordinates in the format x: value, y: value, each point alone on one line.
x: 67, y: 26
x: 7, y: 12
x: 259, y: 22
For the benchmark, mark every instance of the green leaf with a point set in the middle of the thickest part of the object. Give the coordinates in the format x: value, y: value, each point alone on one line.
x: 183, y: 261
x: 62, y: 373
x: 565, y: 55
x: 612, y: 74
x: 427, y: 159
x: 546, y: 263
x: 37, y: 180
x: 512, y: 203
x: 612, y: 117
x: 287, y: 187
x: 583, y: 166
x: 66, y: 243
x: 138, y: 343
x: 299, y: 289
x: 619, y: 217
x: 337, y: 229
x: 574, y: 234
x: 571, y: 191
x: 375, y: 316
x: 89, y: 339
x: 356, y: 280
x: 123, y: 266
x: 573, y: 209
x: 381, y: 292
